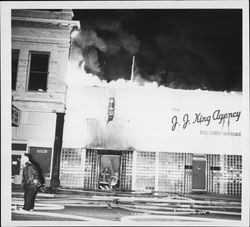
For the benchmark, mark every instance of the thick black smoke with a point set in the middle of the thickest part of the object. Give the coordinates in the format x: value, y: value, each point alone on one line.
x: 186, y: 49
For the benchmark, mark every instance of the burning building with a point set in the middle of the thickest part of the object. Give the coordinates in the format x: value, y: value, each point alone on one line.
x: 154, y: 138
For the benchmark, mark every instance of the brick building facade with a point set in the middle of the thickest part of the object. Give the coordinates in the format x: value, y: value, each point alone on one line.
x: 40, y: 50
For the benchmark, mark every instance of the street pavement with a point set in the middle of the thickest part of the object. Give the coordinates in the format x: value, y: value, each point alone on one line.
x: 118, y: 208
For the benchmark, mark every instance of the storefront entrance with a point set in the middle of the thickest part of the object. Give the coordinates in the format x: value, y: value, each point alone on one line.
x: 199, y: 174
x: 109, y: 171
x: 16, y: 160
x: 18, y: 150
x: 102, y: 165
x: 112, y: 162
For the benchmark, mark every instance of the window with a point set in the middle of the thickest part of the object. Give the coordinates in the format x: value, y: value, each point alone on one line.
x: 14, y: 65
x: 39, y: 63
x: 43, y: 156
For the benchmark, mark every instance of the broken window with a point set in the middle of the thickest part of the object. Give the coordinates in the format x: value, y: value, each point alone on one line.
x: 38, y: 76
x: 14, y: 65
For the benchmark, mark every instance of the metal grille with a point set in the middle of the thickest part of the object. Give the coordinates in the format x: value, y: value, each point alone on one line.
x: 173, y: 176
x: 90, y: 178
x: 126, y: 170
x: 225, y: 174
x: 72, y: 168
x: 145, y: 171
x: 214, y: 173
x: 232, y: 174
x: 188, y: 173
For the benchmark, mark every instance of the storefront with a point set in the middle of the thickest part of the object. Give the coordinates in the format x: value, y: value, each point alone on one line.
x: 35, y: 134
x: 155, y: 139
x: 81, y: 168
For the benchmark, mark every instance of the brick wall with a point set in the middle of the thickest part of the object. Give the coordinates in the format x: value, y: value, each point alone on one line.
x: 46, y: 36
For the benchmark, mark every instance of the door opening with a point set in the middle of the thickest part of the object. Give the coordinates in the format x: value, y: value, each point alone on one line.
x: 199, y: 174
x: 16, y: 164
x: 109, y: 171
x: 118, y: 174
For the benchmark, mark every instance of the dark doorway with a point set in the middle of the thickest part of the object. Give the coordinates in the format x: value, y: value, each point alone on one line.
x: 112, y: 162
x: 118, y: 161
x: 109, y: 170
x: 16, y: 159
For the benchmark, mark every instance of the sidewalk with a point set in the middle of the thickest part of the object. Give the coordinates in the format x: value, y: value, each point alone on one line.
x: 115, y: 205
x: 198, y: 196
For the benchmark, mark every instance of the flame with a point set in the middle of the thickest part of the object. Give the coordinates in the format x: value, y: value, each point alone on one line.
x: 77, y: 76
x: 74, y: 34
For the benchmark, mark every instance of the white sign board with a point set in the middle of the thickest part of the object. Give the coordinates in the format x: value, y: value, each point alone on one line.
x: 159, y: 119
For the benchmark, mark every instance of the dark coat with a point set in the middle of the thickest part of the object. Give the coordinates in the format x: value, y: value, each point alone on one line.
x: 31, y: 173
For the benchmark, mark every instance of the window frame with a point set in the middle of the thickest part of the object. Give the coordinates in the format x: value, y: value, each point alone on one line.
x: 18, y: 55
x: 29, y: 67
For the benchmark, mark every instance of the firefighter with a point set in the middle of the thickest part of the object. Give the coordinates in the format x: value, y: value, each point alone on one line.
x: 104, y: 178
x: 114, y: 182
x: 31, y: 182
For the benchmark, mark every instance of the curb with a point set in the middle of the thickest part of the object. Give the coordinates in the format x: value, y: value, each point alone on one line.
x: 70, y: 216
x: 145, y: 218
x: 38, y: 194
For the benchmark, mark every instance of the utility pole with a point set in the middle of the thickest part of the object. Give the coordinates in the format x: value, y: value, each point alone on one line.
x: 132, y: 69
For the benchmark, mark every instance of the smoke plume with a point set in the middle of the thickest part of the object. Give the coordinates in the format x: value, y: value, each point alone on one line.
x: 187, y: 49
x: 100, y: 39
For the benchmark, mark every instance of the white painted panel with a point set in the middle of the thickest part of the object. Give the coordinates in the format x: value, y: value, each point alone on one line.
x: 159, y: 119
x: 36, y: 126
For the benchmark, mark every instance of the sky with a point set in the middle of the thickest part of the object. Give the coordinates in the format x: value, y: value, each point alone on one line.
x: 177, y: 48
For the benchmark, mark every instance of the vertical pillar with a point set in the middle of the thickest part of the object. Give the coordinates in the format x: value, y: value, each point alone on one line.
x: 222, y: 178
x: 184, y: 183
x: 57, y: 150
x: 83, y: 163
x: 134, y: 170
x: 157, y: 171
